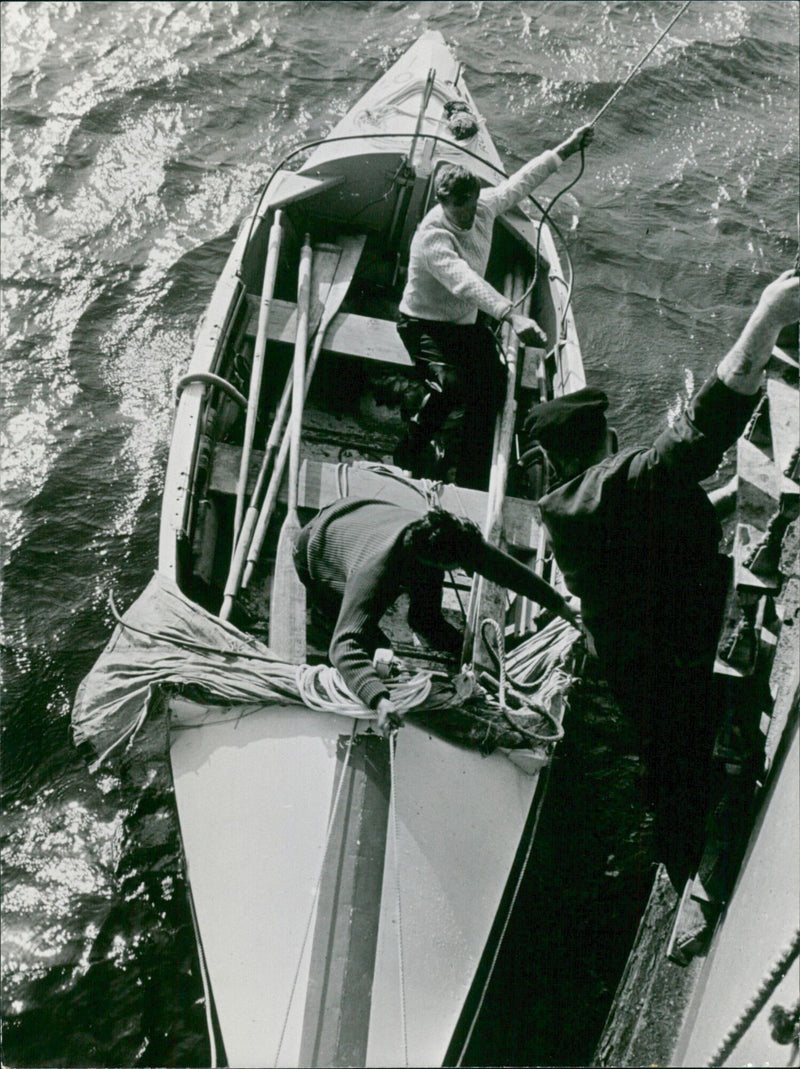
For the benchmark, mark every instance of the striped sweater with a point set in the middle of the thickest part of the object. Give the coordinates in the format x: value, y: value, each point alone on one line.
x: 353, y: 550
x: 447, y: 264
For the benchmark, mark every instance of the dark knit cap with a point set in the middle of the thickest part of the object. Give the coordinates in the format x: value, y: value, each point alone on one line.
x: 569, y: 423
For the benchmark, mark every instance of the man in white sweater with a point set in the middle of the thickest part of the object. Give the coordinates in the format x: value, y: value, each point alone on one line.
x: 457, y: 355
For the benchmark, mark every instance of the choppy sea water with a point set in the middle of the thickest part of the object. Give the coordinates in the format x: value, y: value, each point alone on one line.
x: 134, y: 137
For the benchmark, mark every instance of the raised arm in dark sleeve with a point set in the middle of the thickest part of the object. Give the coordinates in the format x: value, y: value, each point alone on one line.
x: 695, y: 445
x: 501, y: 568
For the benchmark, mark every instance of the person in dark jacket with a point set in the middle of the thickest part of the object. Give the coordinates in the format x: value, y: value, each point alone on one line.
x: 636, y: 538
x: 358, y: 555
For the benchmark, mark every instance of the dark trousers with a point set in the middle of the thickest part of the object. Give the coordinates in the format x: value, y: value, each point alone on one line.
x: 462, y: 381
x: 677, y: 705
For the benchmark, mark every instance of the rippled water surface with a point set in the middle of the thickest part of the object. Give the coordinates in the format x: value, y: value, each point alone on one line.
x: 134, y: 137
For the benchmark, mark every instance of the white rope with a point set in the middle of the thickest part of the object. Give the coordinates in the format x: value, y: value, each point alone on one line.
x: 429, y: 489
x: 395, y: 840
x: 315, y: 894
x: 554, y: 681
x: 322, y: 688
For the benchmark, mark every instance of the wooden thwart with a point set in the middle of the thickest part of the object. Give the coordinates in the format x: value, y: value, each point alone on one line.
x: 319, y: 487
x: 348, y: 334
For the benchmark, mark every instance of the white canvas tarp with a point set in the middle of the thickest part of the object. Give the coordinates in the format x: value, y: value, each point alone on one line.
x: 168, y: 640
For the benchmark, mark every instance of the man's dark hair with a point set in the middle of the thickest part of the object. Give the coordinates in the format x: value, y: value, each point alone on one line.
x: 455, y: 184
x: 442, y: 537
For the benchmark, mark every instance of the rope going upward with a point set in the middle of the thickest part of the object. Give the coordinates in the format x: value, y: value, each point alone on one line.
x: 641, y: 62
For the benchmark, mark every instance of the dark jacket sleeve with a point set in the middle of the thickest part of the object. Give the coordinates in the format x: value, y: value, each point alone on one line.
x: 367, y: 595
x: 501, y: 568
x: 695, y: 445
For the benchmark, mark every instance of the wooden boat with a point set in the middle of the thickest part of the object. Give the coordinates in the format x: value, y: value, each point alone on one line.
x: 350, y: 895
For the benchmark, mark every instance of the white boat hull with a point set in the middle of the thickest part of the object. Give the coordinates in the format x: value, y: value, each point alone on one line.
x: 256, y: 793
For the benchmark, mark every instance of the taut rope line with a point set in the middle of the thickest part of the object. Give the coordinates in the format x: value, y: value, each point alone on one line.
x: 640, y: 64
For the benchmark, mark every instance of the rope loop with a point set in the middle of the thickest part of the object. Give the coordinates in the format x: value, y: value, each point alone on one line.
x: 538, y: 708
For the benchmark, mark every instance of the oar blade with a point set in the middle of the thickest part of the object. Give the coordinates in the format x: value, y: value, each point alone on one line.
x: 287, y: 614
x: 323, y: 270
x: 287, y: 620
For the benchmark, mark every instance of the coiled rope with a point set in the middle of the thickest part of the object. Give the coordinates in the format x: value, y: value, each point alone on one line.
x: 319, y: 687
x: 322, y: 688
x: 756, y: 1004
x: 498, y: 655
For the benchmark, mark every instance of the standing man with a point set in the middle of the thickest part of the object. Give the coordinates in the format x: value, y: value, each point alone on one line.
x: 636, y: 539
x: 358, y: 555
x: 457, y: 356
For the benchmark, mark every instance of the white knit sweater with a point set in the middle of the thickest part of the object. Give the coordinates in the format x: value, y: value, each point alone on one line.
x: 447, y: 264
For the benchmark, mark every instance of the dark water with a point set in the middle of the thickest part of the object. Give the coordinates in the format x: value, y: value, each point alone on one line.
x: 135, y: 135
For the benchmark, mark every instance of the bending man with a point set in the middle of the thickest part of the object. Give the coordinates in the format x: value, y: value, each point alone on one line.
x: 456, y: 355
x: 636, y: 539
x: 358, y: 555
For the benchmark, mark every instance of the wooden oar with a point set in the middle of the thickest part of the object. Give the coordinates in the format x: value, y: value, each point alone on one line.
x: 501, y: 447
x: 287, y: 616
x: 323, y: 270
x: 257, y: 370
x: 352, y: 247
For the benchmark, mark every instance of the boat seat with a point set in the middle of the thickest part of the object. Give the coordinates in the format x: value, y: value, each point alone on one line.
x: 319, y: 485
x: 348, y: 334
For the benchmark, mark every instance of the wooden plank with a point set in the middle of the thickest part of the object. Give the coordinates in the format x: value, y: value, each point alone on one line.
x: 320, y: 486
x: 759, y: 488
x: 784, y: 421
x: 348, y: 334
x: 746, y: 538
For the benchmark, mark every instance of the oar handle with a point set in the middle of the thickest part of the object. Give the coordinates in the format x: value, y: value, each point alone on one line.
x: 256, y: 373
x: 299, y: 365
x: 344, y: 273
